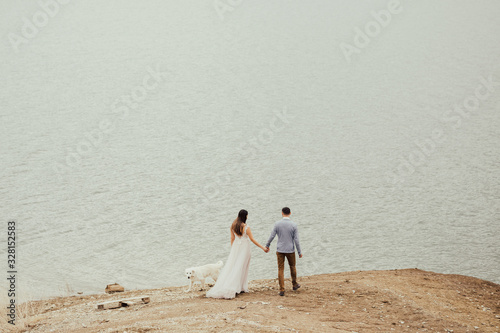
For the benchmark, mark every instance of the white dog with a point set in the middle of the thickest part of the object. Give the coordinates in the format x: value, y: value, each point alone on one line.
x: 195, y: 274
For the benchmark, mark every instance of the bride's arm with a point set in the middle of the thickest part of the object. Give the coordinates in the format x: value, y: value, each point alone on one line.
x: 232, y: 236
x: 249, y: 233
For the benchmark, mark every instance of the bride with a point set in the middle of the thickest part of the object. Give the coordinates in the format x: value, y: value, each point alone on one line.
x: 233, y: 279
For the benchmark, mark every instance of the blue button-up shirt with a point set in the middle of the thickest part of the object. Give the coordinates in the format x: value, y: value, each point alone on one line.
x: 288, y: 236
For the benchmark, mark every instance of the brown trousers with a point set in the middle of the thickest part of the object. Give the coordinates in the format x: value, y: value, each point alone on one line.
x: 281, y: 268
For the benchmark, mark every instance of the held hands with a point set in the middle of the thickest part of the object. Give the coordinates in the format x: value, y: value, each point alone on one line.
x: 266, y: 249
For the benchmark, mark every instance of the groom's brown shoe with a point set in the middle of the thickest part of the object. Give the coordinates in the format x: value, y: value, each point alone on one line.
x: 282, y: 293
x: 297, y: 286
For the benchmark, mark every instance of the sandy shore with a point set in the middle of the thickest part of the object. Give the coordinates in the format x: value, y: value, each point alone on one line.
x: 409, y: 300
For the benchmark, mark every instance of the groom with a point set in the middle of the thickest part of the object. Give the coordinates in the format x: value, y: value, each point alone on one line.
x: 288, y: 238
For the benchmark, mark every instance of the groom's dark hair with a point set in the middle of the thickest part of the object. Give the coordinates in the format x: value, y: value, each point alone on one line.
x: 286, y: 210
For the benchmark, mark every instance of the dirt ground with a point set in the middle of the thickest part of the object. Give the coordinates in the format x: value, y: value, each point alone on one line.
x: 409, y: 300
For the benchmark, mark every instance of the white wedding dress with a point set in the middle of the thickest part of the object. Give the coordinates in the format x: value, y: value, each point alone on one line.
x: 233, y: 278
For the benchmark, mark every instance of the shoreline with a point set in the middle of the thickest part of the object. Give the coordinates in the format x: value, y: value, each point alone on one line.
x: 406, y: 300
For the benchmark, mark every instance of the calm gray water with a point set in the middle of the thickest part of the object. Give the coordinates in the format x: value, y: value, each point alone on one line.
x: 133, y: 132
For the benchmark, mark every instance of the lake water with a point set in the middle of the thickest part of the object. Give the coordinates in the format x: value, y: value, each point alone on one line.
x: 133, y: 133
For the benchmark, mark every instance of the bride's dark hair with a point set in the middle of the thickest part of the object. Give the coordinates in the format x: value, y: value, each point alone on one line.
x: 240, y: 220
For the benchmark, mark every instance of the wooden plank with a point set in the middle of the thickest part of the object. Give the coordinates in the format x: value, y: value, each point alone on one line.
x: 109, y: 305
x: 123, y: 302
x: 143, y: 299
